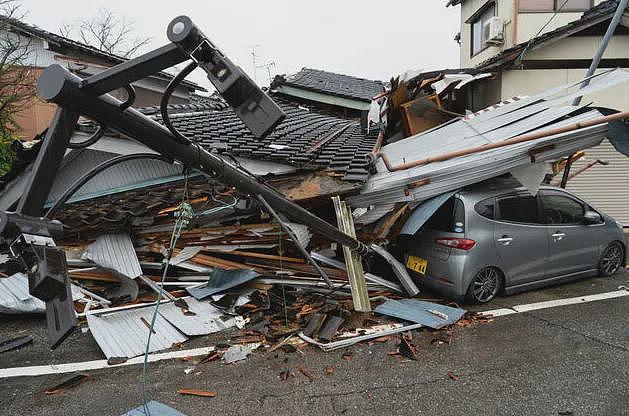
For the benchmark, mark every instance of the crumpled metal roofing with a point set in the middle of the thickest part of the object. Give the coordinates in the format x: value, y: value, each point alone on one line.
x: 430, y: 314
x: 539, y: 112
x: 207, y: 319
x: 124, y: 333
x: 115, y: 252
x: 14, y: 296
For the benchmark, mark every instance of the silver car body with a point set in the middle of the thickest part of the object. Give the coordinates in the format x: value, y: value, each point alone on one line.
x: 527, y: 255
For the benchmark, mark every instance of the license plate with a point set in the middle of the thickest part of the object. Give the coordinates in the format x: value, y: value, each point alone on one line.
x: 417, y: 264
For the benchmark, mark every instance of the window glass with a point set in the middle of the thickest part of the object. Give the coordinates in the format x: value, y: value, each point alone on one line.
x: 479, y: 42
x: 450, y: 217
x: 519, y: 209
x: 537, y: 5
x: 485, y: 208
x: 573, y: 5
x: 554, y: 5
x: 560, y: 209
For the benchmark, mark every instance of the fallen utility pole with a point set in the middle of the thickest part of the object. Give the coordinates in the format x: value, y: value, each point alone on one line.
x: 31, y: 236
x: 596, y: 60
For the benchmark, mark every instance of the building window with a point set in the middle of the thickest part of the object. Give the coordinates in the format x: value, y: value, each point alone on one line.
x: 555, y: 5
x: 479, y: 42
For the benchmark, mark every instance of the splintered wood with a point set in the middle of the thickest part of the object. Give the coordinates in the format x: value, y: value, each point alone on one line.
x: 353, y: 261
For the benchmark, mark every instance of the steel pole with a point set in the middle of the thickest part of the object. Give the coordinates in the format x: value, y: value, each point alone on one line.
x: 58, y: 85
x: 596, y: 60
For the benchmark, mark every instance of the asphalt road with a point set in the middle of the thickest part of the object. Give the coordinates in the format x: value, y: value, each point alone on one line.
x: 568, y: 360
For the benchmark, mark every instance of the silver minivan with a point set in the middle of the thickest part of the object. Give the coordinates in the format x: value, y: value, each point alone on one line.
x: 495, y: 237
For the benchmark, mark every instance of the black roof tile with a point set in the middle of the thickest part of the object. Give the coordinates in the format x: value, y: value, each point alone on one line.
x: 331, y: 83
x: 306, y: 139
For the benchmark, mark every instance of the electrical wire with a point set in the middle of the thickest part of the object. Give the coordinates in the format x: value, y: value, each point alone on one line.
x: 180, y: 223
x: 163, y: 107
x: 528, y: 45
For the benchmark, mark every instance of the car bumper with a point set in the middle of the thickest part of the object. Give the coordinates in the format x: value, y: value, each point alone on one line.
x: 443, y: 277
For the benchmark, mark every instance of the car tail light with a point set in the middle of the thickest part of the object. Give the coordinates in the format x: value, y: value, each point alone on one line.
x: 461, y: 243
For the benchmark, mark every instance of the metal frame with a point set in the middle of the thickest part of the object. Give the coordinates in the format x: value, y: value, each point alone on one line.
x: 89, y: 97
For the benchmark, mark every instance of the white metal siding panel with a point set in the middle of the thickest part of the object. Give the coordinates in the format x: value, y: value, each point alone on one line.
x: 605, y: 187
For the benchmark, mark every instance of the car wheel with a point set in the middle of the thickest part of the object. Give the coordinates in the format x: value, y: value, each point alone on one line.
x: 485, y: 286
x: 611, y: 259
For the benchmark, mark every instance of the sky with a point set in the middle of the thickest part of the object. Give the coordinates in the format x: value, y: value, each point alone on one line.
x: 373, y: 39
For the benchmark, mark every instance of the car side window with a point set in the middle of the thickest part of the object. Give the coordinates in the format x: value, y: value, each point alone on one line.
x: 559, y: 209
x: 519, y: 208
x: 485, y: 208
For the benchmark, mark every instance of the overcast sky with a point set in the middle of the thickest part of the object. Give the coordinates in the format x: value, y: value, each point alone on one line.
x: 367, y: 38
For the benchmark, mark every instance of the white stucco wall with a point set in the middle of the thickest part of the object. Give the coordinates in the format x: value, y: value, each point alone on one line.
x: 527, y: 25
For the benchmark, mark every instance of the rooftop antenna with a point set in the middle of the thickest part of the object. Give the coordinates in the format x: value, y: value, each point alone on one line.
x: 254, y: 58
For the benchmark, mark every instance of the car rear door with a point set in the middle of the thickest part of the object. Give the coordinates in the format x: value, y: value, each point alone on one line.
x: 520, y: 238
x: 573, y: 243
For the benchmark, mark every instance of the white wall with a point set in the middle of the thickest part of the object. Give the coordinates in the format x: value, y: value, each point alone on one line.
x: 527, y: 25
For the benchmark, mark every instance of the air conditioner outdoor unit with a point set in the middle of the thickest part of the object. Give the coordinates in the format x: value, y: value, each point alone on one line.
x: 493, y: 31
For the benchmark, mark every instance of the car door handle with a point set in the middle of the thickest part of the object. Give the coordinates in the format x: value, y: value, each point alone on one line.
x: 558, y: 236
x: 505, y: 241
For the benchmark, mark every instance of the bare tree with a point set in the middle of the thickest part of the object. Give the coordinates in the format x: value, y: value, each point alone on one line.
x: 17, y: 81
x: 107, y: 32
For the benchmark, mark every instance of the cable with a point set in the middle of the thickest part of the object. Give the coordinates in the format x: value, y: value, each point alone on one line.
x: 130, y: 97
x: 180, y: 223
x: 163, y: 107
x: 90, y: 140
x: 526, y: 48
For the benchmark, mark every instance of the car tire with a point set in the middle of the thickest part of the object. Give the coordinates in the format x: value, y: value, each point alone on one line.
x: 612, y: 259
x: 485, y: 285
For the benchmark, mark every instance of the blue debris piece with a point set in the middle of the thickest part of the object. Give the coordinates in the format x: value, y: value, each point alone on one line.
x: 155, y: 409
x: 220, y: 281
x: 429, y: 314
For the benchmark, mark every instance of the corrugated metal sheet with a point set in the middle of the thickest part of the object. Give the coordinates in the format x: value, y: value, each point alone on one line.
x: 423, y: 212
x: 127, y: 175
x: 605, y: 187
x: 540, y: 112
x: 206, y: 319
x: 115, y: 252
x: 222, y: 280
x: 125, y: 333
x: 14, y: 296
x: 430, y: 314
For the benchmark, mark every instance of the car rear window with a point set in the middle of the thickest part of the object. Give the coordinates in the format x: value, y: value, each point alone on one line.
x: 450, y: 217
x: 519, y: 208
x: 486, y: 208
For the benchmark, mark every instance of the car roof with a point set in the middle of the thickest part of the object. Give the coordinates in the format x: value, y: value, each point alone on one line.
x: 495, y: 187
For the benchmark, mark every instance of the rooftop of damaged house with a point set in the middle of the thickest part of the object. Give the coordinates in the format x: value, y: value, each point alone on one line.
x: 159, y: 254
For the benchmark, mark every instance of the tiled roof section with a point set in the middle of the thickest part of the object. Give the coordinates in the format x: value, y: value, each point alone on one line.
x: 597, y: 14
x: 333, y: 84
x: 210, y: 103
x: 305, y: 139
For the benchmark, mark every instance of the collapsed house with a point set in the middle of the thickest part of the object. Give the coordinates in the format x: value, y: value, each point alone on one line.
x: 225, y: 259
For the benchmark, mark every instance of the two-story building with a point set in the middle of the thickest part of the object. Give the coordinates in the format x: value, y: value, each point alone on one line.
x: 532, y: 45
